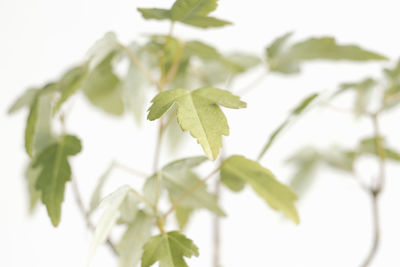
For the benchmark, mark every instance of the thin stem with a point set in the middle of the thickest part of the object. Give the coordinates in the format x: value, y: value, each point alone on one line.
x: 375, y: 191
x: 85, y: 214
x: 143, y: 198
x: 143, y: 69
x: 376, y: 231
x: 189, y: 192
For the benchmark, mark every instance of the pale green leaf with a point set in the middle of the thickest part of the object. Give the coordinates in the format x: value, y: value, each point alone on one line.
x: 178, y: 177
x: 198, y: 112
x: 305, y: 163
x: 130, y: 247
x: 206, y: 22
x: 201, y: 50
x: 102, y: 49
x: 102, y: 89
x: 31, y: 126
x: 287, y: 60
x: 31, y: 176
x: 55, y: 171
x: 169, y: 250
x: 263, y: 182
x: 183, y: 9
x: 27, y: 99
x: 182, y: 215
x: 108, y: 219
x: 155, y: 13
x: 96, y: 195
x: 369, y: 146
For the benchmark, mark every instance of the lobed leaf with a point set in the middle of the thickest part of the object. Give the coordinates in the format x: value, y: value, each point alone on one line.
x: 169, y: 250
x: 198, y: 112
x: 55, y: 171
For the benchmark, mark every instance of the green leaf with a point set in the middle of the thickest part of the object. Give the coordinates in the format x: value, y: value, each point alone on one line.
x: 169, y: 250
x: 198, y: 112
x: 102, y: 49
x: 70, y: 83
x: 183, y: 215
x: 111, y: 204
x: 27, y: 99
x: 263, y: 182
x: 102, y: 89
x: 288, y: 60
x: 31, y: 176
x: 31, y: 126
x: 130, y: 247
x: 190, y: 12
x: 201, y: 50
x: 38, y: 125
x: 206, y: 22
x: 297, y: 111
x: 183, y: 9
x: 155, y: 13
x: 239, y: 62
x: 369, y: 146
x: 178, y: 177
x: 55, y: 171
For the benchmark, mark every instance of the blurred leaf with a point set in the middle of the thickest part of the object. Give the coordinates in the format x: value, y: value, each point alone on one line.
x: 101, y: 50
x: 363, y: 91
x: 55, y: 171
x: 178, y: 177
x: 136, y: 235
x: 305, y: 161
x: 70, y: 83
x: 191, y: 12
x: 169, y: 250
x: 96, y: 195
x: 155, y: 13
x: 201, y: 50
x: 339, y: 159
x: 31, y: 175
x: 296, y: 112
x: 369, y: 146
x: 239, y: 62
x: 27, y: 99
x: 102, y: 89
x: 198, y: 112
x: 392, y: 93
x: 287, y: 60
x: 182, y: 216
x: 134, y: 84
x: 263, y: 182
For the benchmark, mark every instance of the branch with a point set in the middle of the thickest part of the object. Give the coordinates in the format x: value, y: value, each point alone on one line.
x: 375, y: 191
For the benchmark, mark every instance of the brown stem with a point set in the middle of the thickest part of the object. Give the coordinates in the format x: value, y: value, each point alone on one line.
x: 376, y: 231
x: 85, y: 214
x: 375, y: 191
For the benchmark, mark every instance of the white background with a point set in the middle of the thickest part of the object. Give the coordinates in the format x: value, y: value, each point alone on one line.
x: 39, y: 39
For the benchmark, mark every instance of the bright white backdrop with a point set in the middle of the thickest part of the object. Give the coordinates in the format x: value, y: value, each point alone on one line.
x: 41, y: 38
